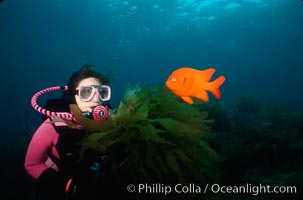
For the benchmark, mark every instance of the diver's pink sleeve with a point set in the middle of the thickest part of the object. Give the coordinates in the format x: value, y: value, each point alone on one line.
x: 42, y: 142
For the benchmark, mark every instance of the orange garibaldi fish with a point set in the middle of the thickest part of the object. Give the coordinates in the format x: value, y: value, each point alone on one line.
x: 188, y: 82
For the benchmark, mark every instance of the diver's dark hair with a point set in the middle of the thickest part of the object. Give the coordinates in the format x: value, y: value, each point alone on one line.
x: 86, y: 71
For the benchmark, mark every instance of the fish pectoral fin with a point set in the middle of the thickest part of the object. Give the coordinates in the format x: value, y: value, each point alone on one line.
x: 188, y: 83
x: 187, y: 100
x: 203, y: 96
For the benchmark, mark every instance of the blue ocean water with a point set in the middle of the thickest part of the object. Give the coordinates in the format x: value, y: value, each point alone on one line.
x: 256, y: 44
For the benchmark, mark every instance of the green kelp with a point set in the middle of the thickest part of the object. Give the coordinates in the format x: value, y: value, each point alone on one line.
x: 155, y: 138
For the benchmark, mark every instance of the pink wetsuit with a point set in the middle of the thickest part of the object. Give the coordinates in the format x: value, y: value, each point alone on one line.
x: 42, y: 143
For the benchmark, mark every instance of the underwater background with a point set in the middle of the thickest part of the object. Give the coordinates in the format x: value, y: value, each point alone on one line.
x: 256, y: 44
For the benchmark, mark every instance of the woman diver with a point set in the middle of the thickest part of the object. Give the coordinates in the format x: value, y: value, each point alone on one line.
x: 53, y: 155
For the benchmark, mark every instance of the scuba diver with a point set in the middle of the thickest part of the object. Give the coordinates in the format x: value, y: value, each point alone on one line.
x: 53, y: 155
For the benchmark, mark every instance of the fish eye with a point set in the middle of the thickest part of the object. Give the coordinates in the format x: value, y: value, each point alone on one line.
x: 174, y: 79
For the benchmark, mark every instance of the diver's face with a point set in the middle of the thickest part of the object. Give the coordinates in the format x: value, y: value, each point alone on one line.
x: 84, y: 105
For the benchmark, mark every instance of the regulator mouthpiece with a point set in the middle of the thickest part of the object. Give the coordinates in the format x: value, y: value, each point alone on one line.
x: 99, y: 113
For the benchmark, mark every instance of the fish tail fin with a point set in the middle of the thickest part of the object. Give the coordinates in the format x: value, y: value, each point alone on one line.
x: 215, y: 85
